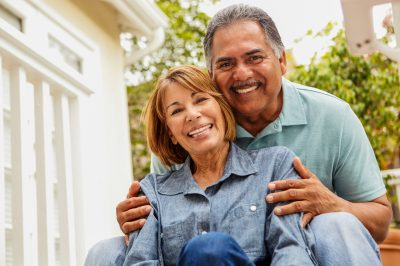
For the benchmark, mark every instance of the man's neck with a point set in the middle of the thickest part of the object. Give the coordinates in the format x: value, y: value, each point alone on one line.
x: 255, y: 123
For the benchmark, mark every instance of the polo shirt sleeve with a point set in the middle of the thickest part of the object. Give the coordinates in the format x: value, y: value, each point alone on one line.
x: 144, y: 245
x: 357, y: 176
x: 157, y: 167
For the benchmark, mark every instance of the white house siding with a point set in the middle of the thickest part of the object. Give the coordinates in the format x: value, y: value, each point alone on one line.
x: 64, y: 134
x: 106, y: 156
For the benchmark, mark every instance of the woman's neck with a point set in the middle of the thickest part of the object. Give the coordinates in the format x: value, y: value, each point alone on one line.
x: 208, y: 168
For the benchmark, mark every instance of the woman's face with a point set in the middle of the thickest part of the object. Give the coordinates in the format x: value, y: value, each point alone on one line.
x: 194, y: 120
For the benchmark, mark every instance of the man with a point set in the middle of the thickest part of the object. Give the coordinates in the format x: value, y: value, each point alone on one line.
x: 246, y: 60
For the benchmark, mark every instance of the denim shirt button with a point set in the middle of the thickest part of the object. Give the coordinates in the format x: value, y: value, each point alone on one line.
x: 253, y: 208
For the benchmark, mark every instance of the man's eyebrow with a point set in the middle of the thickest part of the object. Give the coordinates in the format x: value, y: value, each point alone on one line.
x: 223, y: 59
x: 251, y: 52
x: 254, y: 51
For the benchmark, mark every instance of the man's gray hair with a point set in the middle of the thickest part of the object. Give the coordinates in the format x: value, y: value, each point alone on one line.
x: 235, y: 14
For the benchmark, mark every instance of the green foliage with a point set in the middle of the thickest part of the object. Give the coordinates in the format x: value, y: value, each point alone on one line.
x: 369, y: 84
x: 183, y: 45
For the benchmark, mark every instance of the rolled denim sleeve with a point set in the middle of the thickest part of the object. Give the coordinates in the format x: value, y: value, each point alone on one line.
x: 285, y: 239
x: 144, y: 245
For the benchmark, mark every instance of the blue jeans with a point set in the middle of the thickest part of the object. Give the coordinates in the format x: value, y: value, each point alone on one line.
x: 338, y: 239
x: 213, y: 249
x: 341, y: 239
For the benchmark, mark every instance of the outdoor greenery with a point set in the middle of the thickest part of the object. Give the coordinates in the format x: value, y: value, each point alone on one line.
x: 369, y: 84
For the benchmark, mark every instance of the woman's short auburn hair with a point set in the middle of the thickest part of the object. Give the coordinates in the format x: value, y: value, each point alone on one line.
x: 158, y: 138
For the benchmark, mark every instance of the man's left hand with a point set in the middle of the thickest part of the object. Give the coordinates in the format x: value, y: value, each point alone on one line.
x: 307, y: 195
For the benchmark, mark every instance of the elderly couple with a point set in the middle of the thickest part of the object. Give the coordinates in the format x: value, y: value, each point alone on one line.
x: 210, y: 177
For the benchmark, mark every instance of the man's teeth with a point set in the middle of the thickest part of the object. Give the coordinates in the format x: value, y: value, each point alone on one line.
x: 198, y: 131
x: 246, y: 90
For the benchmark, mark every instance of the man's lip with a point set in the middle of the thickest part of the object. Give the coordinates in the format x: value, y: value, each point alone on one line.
x: 246, y: 88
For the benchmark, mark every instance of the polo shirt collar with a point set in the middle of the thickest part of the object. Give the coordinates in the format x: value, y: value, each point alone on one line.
x: 293, y: 112
x: 239, y: 163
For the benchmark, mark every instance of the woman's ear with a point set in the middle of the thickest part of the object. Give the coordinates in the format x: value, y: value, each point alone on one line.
x: 173, y: 139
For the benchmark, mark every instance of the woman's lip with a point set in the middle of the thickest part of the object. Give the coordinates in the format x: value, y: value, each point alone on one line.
x: 199, y: 129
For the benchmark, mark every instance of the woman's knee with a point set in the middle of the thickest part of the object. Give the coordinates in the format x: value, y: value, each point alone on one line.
x: 107, y: 252
x: 210, y: 244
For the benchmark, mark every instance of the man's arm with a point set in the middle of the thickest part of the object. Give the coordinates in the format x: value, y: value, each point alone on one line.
x: 310, y: 196
x: 132, y: 211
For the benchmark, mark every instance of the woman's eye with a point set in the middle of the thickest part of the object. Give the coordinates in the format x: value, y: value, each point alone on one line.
x: 201, y: 99
x: 176, y: 111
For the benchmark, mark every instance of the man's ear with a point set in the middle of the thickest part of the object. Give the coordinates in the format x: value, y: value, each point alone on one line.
x: 211, y: 74
x: 282, y: 62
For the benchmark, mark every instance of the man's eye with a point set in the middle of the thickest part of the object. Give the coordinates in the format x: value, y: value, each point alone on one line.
x: 256, y: 58
x: 224, y: 65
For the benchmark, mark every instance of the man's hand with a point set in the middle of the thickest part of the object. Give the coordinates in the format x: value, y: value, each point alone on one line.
x: 131, y: 211
x: 306, y: 195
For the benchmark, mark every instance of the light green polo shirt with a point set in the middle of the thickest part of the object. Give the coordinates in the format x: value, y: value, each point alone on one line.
x: 328, y: 137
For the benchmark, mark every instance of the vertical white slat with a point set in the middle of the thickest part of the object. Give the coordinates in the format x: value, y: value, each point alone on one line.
x: 20, y: 169
x: 75, y: 119
x: 44, y: 184
x: 65, y: 181
x: 2, y: 175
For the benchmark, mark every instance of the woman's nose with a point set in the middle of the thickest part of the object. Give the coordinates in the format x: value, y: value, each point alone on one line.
x: 192, y: 114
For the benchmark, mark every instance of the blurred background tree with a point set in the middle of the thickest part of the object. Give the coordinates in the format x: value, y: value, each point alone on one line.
x: 183, y: 45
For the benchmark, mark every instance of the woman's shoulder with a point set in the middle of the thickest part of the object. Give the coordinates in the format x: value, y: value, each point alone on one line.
x: 274, y: 151
x: 274, y: 156
x: 154, y: 180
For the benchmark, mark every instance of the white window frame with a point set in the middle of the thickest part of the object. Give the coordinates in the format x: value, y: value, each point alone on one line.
x: 32, y: 43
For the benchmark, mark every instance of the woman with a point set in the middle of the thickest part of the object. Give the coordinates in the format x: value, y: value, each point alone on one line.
x: 220, y: 187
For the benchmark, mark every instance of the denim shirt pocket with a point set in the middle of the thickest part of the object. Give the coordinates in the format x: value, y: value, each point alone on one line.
x: 172, y: 242
x: 247, y: 227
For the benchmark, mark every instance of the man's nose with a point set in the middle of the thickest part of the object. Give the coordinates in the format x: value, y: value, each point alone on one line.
x: 242, y: 72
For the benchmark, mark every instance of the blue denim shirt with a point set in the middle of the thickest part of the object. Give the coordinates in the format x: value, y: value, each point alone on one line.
x: 235, y: 204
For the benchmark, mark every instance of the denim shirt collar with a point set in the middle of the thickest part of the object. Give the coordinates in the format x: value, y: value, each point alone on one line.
x: 238, y: 163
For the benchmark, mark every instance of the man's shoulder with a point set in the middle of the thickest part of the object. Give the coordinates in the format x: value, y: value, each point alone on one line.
x: 315, y: 96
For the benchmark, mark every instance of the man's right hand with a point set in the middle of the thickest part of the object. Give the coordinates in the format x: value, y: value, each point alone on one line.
x: 131, y: 212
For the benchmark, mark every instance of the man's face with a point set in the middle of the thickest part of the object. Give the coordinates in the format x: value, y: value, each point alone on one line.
x: 246, y: 70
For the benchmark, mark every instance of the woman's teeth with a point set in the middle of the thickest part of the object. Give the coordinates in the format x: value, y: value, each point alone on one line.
x: 198, y: 131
